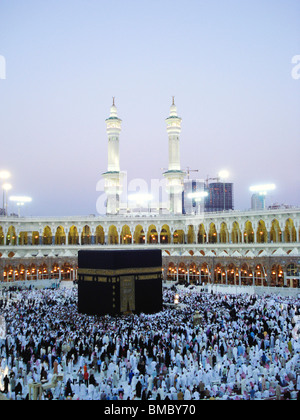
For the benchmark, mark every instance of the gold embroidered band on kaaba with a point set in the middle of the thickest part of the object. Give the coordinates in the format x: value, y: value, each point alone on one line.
x: 143, y: 273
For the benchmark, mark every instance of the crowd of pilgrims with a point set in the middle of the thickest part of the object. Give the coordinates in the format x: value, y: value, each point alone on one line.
x: 244, y: 347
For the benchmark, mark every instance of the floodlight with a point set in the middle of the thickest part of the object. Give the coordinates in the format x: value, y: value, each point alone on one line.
x: 7, y: 187
x: 4, y: 175
x: 263, y: 189
x: 21, y: 199
x: 223, y: 174
x: 198, y: 194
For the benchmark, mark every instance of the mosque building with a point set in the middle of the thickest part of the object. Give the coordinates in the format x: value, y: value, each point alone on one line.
x: 255, y: 248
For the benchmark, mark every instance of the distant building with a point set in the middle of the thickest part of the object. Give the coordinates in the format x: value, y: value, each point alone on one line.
x: 277, y: 206
x: 258, y: 202
x: 191, y: 204
x: 220, y: 197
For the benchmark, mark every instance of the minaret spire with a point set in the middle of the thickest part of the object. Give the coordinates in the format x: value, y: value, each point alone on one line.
x: 113, y: 176
x: 174, y: 175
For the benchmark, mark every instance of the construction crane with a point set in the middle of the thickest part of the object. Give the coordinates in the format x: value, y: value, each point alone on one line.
x: 191, y: 170
x: 211, y: 179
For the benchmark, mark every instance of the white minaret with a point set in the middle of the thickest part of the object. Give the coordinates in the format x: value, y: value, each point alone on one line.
x: 113, y: 176
x: 174, y: 175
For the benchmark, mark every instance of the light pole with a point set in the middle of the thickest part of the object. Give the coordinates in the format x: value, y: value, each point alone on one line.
x: 20, y: 201
x: 6, y: 188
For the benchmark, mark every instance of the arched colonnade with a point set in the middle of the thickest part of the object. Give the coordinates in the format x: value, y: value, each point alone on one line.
x: 260, y: 231
x: 232, y: 272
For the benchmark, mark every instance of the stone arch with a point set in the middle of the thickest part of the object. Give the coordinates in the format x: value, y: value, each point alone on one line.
x: 261, y: 233
x: 23, y: 238
x: 43, y: 271
x: 277, y: 277
x: 232, y: 274
x: 55, y: 270
x: 32, y: 272
x: 86, y: 235
x: 152, y: 235
x: 126, y: 236
x: 204, y: 274
x: 201, y: 234
x: 236, y: 234
x: 113, y: 236
x: 165, y: 235
x: 65, y: 271
x: 249, y: 233
x: 11, y: 237
x: 8, y: 273
x: 21, y: 272
x: 224, y: 234
x: 182, y: 272
x: 172, y: 272
x: 290, y: 233
x: 100, y: 235
x: 275, y: 232
x: 47, y: 236
x: 212, y: 235
x: 193, y: 273
x: 60, y: 236
x: 139, y: 236
x: 73, y: 237
x: 35, y: 238
x: 178, y: 237
x: 246, y: 275
x: 2, y: 239
x: 259, y: 275
x: 191, y: 235
x: 220, y: 274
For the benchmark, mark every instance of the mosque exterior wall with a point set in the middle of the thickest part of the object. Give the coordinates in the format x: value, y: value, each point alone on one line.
x: 233, y: 248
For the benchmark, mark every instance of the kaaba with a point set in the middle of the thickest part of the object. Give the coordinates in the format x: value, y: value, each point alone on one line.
x: 115, y: 282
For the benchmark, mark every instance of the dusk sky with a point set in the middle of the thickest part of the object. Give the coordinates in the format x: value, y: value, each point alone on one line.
x: 228, y: 63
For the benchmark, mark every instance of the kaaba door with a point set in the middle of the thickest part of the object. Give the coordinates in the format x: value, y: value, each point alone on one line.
x: 127, y: 294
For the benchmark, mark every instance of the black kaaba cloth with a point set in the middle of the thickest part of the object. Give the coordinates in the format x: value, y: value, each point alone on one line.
x: 113, y: 282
